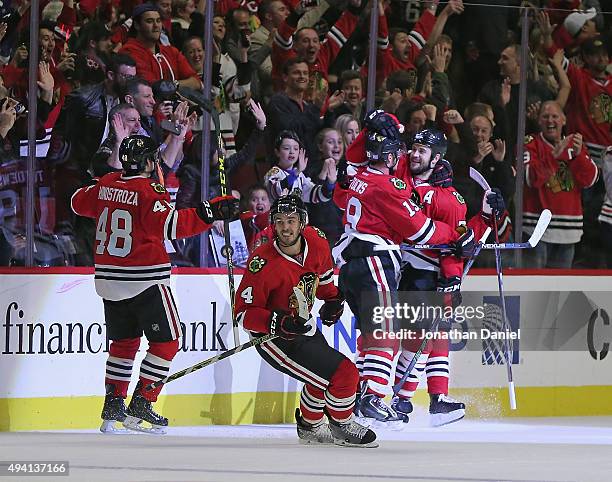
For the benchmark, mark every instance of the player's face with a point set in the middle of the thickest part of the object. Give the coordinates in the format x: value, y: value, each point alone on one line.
x: 331, y: 146
x: 259, y: 201
x: 288, y: 153
x: 287, y: 228
x: 419, y: 158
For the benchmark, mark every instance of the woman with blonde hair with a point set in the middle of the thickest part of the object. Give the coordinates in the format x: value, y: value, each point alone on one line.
x: 348, y: 127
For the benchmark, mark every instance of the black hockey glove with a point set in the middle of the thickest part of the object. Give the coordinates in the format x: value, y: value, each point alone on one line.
x: 493, y: 203
x: 332, y: 310
x: 220, y: 208
x: 442, y: 174
x: 465, y: 245
x: 287, y: 326
x: 379, y: 121
x: 452, y: 287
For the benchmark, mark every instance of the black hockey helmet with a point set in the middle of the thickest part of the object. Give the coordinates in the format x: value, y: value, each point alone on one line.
x: 289, y: 204
x: 379, y: 147
x: 434, y: 139
x: 135, y: 151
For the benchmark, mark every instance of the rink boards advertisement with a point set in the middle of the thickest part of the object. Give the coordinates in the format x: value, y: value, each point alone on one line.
x: 53, y: 350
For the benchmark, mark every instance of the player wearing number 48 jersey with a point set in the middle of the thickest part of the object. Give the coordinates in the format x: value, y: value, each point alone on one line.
x: 132, y: 274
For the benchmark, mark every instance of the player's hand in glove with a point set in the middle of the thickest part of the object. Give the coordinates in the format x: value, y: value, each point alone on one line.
x: 381, y: 122
x: 288, y: 326
x: 493, y: 203
x: 220, y: 208
x: 442, y: 174
x: 452, y: 287
x: 465, y: 245
x: 332, y: 310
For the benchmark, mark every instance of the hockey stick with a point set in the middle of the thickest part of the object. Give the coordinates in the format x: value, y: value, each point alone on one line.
x: 479, y: 178
x: 434, y: 326
x: 303, y: 313
x: 532, y: 242
x: 228, y: 250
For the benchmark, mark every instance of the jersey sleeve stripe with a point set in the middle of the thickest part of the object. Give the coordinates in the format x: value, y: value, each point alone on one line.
x: 425, y: 233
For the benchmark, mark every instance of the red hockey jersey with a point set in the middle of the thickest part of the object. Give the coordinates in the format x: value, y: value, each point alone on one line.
x: 134, y: 217
x: 380, y: 210
x: 271, y: 275
x: 555, y: 184
x: 588, y: 106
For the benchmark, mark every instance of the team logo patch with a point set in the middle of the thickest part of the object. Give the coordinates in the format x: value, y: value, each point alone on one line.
x: 308, y: 285
x: 528, y: 139
x: 319, y: 232
x: 158, y: 188
x: 459, y: 197
x: 398, y: 183
x: 256, y: 264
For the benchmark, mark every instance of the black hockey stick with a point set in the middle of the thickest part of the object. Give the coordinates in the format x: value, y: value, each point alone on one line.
x: 479, y: 178
x: 303, y: 313
x: 434, y: 326
x: 227, y: 250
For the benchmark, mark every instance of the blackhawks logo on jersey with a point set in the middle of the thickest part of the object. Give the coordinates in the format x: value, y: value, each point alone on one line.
x: 158, y: 188
x: 528, y: 139
x: 319, y: 232
x: 308, y: 285
x: 256, y: 264
x: 398, y: 183
x: 459, y: 197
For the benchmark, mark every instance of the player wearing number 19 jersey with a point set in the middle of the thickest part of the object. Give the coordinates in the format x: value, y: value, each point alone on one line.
x: 379, y: 215
x: 132, y: 273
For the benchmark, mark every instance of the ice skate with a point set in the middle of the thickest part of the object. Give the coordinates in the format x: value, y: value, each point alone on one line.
x: 444, y: 410
x: 113, y: 411
x: 312, y: 434
x: 141, y: 410
x: 352, y: 434
x: 376, y: 413
x: 403, y: 407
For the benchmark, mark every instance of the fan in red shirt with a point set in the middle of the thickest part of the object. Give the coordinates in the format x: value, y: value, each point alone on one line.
x: 153, y: 60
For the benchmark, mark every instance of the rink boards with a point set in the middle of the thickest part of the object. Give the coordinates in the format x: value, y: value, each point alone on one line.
x: 53, y: 353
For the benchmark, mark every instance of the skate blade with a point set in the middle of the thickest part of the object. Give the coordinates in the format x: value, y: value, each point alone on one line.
x: 109, y: 427
x: 344, y: 443
x: 314, y: 442
x: 394, y: 425
x: 440, y: 419
x: 136, y: 424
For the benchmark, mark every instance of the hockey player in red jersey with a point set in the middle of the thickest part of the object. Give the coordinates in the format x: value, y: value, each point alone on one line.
x: 380, y: 214
x: 299, y: 257
x: 428, y: 271
x: 132, y: 274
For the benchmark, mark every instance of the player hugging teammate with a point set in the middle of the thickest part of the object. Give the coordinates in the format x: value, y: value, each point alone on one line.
x: 384, y: 207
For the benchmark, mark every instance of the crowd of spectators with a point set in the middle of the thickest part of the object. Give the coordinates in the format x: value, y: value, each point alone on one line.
x: 289, y: 79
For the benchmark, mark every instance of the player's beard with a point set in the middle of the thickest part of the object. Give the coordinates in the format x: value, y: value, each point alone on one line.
x: 283, y: 242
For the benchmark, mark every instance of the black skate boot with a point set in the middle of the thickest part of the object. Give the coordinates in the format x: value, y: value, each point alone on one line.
x: 113, y: 410
x: 312, y: 434
x: 352, y: 434
x: 140, y: 410
x: 444, y: 410
x: 403, y: 407
x: 378, y: 412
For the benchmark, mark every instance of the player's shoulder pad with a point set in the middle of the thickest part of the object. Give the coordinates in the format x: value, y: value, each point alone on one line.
x: 158, y: 188
x: 398, y: 183
x: 319, y: 232
x: 256, y: 263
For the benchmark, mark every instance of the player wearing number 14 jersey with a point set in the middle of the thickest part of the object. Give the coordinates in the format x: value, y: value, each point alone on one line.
x: 132, y: 274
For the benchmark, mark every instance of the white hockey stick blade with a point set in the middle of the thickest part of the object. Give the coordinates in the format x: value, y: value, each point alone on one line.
x: 479, y: 178
x: 512, y: 395
x: 538, y: 232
